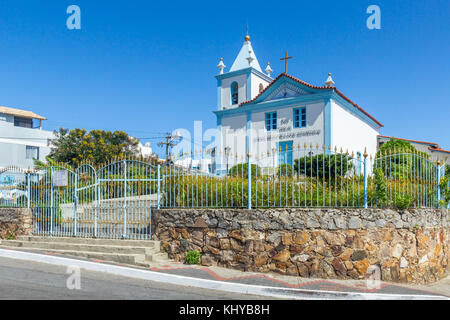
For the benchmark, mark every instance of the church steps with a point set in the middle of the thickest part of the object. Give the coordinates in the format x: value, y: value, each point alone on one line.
x: 112, y: 242
x: 133, y: 252
x: 78, y: 247
x: 112, y: 257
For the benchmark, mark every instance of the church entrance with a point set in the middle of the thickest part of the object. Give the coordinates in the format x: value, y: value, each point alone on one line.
x: 285, y: 152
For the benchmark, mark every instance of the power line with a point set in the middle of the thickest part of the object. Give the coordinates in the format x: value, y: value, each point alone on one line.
x: 168, y: 143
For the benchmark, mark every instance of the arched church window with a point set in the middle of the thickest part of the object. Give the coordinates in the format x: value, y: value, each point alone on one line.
x: 261, y: 87
x: 234, y: 93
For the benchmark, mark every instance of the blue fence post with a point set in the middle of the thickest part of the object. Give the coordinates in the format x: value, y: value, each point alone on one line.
x: 75, y: 207
x: 365, y: 177
x: 249, y: 181
x: 97, y: 195
x: 159, y: 188
x: 51, y: 202
x: 125, y: 200
x: 438, y: 171
x: 28, y: 189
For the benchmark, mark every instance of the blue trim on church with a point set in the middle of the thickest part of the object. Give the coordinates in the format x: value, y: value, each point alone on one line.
x: 219, y: 94
x: 244, y: 71
x: 316, y: 97
x: 249, y: 87
x: 319, y: 97
x: 327, y: 123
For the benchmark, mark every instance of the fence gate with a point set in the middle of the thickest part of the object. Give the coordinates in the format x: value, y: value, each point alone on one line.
x: 53, y: 201
x: 86, y: 202
x: 127, y: 190
x: 114, y: 201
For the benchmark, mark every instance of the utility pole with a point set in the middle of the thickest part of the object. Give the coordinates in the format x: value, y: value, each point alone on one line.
x: 168, y: 143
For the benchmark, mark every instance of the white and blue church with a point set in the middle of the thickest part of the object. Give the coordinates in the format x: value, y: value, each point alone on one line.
x: 257, y: 114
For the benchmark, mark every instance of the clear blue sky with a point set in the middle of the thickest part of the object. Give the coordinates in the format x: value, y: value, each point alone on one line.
x: 148, y: 67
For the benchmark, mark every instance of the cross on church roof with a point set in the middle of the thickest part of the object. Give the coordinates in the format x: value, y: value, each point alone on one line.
x: 247, y: 37
x: 285, y: 61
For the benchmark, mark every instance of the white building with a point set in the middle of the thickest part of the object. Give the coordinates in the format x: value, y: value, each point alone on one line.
x: 200, y: 165
x: 144, y: 150
x: 22, y: 138
x: 256, y: 114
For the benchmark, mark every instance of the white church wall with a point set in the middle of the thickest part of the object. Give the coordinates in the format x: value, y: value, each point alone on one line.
x: 226, y: 90
x: 263, y: 141
x: 234, y: 134
x: 255, y: 82
x: 350, y: 132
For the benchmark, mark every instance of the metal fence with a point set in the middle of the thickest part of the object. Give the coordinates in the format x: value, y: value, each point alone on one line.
x: 308, y: 177
x: 115, y: 200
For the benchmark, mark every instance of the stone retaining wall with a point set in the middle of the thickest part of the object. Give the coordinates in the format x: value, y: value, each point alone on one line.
x: 405, y: 246
x: 15, y: 222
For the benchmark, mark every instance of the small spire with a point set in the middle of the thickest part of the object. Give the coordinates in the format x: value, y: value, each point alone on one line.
x: 268, y: 69
x: 247, y: 37
x: 221, y: 66
x: 329, y: 82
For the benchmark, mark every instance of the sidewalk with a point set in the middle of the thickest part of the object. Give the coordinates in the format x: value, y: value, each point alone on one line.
x: 276, y: 280
x: 216, y: 278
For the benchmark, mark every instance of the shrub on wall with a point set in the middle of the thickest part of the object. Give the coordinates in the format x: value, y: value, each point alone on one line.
x: 403, y: 201
x: 285, y: 170
x: 323, y: 165
x: 193, y: 257
x: 241, y: 170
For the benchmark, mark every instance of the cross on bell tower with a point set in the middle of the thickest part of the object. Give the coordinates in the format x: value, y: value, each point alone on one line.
x: 285, y: 61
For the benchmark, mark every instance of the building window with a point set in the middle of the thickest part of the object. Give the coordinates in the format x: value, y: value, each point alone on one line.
x: 234, y: 93
x: 300, y: 117
x: 32, y: 152
x: 23, y: 122
x: 271, y: 121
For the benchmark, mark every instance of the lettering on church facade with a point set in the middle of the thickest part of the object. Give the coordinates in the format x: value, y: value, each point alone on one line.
x: 291, y: 135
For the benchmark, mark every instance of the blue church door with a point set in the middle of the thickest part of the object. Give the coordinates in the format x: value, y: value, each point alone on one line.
x: 285, y: 152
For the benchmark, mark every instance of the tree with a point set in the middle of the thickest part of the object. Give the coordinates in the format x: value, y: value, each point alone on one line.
x: 396, y: 146
x: 398, y: 158
x: 75, y: 146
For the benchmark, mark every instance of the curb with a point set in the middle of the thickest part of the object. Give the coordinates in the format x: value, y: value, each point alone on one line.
x: 270, y: 292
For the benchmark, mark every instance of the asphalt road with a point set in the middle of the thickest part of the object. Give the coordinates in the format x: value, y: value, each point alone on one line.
x: 30, y: 280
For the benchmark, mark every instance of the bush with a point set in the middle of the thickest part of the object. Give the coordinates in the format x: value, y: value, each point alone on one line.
x: 285, y: 170
x: 193, y: 257
x: 22, y: 201
x: 403, y: 201
x: 321, y: 165
x: 445, y: 191
x: 381, y: 193
x: 241, y: 170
